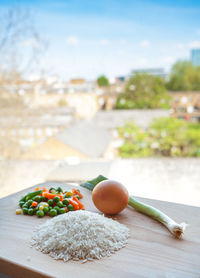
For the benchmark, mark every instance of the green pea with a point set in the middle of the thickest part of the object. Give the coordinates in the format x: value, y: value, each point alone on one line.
x: 37, y: 199
x: 40, y: 213
x: 25, y: 205
x: 53, y: 212
x: 31, y: 211
x: 60, y: 204
x: 29, y: 202
x: 21, y: 203
x: 78, y: 197
x: 25, y: 210
x: 50, y: 202
x: 45, y: 209
x: 61, y: 211
x: 56, y: 199
x: 56, y: 208
x: 70, y: 208
x: 65, y: 202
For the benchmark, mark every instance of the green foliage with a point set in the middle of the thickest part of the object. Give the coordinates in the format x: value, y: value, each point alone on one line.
x: 165, y: 137
x: 144, y: 91
x: 184, y: 77
x: 103, y: 81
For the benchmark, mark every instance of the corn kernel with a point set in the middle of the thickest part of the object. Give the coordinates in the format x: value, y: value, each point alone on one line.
x: 18, y: 211
x: 69, y: 194
x: 41, y: 207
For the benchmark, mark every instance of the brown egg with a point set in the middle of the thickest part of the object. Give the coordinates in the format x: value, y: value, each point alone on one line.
x: 110, y: 197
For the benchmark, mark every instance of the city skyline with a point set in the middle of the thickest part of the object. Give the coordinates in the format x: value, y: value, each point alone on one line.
x: 90, y: 38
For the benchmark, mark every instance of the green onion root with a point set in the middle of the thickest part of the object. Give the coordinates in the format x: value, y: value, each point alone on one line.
x: 176, y: 229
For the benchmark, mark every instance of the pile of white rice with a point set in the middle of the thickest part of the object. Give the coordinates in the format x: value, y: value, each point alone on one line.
x: 80, y: 235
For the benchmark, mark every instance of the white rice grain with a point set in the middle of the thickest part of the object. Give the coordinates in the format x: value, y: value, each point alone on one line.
x: 80, y: 235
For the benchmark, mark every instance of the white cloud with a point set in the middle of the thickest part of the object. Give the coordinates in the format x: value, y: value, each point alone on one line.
x: 72, y: 40
x: 180, y: 46
x: 194, y: 44
x: 122, y: 41
x: 168, y: 60
x: 31, y: 42
x: 143, y: 62
x: 144, y: 43
x: 104, y: 42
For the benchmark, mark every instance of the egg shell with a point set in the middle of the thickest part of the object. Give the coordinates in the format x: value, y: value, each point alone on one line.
x: 110, y: 197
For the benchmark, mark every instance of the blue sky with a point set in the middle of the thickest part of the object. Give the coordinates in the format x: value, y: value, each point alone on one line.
x: 89, y: 37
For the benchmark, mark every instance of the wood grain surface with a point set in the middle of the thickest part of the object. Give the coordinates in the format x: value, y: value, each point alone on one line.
x: 151, y: 250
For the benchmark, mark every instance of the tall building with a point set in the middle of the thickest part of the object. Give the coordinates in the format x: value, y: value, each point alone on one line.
x: 195, y: 57
x: 153, y: 71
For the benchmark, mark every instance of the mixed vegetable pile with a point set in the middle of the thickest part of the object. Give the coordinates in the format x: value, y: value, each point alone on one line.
x: 50, y: 202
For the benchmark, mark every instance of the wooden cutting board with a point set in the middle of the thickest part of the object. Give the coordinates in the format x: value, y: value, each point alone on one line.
x: 151, y: 250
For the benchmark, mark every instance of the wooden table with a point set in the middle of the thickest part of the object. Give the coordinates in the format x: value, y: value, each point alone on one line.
x: 151, y: 250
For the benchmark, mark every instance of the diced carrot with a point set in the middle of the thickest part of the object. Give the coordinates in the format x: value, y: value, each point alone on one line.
x: 37, y: 188
x: 34, y: 204
x: 44, y: 189
x: 51, y: 196
x: 65, y: 208
x: 77, y: 192
x: 81, y: 206
x: 74, y: 204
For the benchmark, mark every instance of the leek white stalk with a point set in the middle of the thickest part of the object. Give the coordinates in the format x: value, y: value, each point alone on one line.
x: 176, y: 229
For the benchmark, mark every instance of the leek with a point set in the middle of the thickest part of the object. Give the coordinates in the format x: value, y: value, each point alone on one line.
x: 176, y: 229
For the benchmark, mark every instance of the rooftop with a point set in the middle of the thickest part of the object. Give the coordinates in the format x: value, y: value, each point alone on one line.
x: 86, y: 137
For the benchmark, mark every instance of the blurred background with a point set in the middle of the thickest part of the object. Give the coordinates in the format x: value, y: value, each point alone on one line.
x: 101, y: 87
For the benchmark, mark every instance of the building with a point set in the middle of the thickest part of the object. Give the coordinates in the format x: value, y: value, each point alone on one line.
x: 82, y: 140
x: 32, y: 126
x: 195, y: 57
x: 186, y: 105
x: 153, y: 71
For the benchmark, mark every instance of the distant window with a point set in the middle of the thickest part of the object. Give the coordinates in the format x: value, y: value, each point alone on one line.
x: 190, y: 109
x: 21, y: 92
x: 39, y: 131
x: 61, y: 92
x: 49, y: 131
x: 30, y: 131
x: 184, y: 99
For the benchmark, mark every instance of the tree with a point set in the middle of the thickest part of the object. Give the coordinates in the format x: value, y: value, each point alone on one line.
x: 103, y: 81
x: 184, y: 77
x: 20, y: 44
x: 144, y: 91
